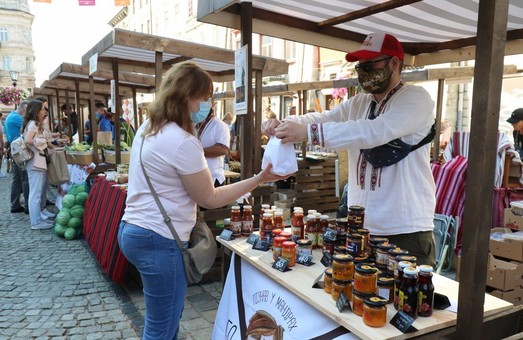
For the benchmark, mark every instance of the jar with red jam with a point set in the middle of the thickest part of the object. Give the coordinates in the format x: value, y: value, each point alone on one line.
x: 426, y: 291
x: 247, y: 220
x: 341, y: 225
x: 375, y: 311
x: 311, y: 232
x: 408, y: 292
x: 365, y: 278
x: 398, y: 278
x: 298, y: 225
x: 277, y: 222
x: 262, y: 211
x: 266, y: 228
x: 236, y: 221
x: 289, y: 252
x: 324, y: 224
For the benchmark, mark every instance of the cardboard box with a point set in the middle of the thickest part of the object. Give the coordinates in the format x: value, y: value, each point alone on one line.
x: 507, y: 248
x: 514, y: 296
x: 110, y: 157
x: 512, y: 221
x: 79, y: 157
x: 504, y: 275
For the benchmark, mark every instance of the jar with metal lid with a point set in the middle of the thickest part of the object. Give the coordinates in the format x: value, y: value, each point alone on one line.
x: 362, y: 259
x: 365, y: 278
x: 277, y: 247
x: 266, y: 227
x: 382, y: 255
x: 339, y: 286
x: 375, y: 311
x: 289, y: 252
x: 247, y: 220
x: 276, y: 232
x: 341, y: 239
x: 340, y: 250
x: 328, y: 246
x: 303, y: 247
x: 311, y: 231
x: 277, y: 222
x: 409, y: 258
x: 391, y: 262
x: 356, y: 216
x: 327, y: 280
x: 341, y: 225
x: 236, y: 221
x: 375, y: 241
x: 386, y: 288
x: 286, y: 234
x: 357, y: 301
x: 324, y: 224
x: 342, y: 267
x: 366, y: 238
x: 408, y: 292
x: 398, y: 277
x: 426, y: 291
x: 355, y: 244
x: 262, y: 211
x: 298, y: 228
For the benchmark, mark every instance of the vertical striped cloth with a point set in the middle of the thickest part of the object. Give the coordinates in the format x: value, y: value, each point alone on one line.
x: 103, y: 211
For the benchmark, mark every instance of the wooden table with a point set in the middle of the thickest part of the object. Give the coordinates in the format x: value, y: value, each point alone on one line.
x: 301, y: 280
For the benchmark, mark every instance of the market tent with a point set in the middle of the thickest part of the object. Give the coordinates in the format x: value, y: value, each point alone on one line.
x: 432, y: 31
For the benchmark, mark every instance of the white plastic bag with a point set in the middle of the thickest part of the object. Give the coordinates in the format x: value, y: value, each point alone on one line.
x: 281, y: 156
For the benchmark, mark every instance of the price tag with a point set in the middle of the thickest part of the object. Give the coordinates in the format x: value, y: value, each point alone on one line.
x: 330, y: 235
x: 253, y: 238
x: 305, y: 259
x: 260, y: 244
x: 295, y: 238
x: 226, y: 235
x: 341, y: 303
x: 403, y: 322
x: 326, y: 260
x: 281, y: 264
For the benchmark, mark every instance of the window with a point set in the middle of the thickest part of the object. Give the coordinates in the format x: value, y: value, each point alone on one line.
x: 4, y: 34
x: 290, y: 50
x: 6, y: 62
x: 28, y: 65
x: 266, y: 45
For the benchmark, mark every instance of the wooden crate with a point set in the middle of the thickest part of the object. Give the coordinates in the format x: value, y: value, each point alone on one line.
x: 315, y: 185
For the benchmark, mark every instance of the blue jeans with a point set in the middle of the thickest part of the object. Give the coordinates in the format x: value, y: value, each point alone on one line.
x: 37, y: 180
x: 19, y: 185
x: 160, y: 263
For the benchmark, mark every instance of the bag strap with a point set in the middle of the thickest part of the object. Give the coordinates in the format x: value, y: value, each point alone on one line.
x: 166, y: 218
x: 428, y: 138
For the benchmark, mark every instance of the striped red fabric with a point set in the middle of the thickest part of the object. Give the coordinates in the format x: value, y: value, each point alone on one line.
x: 103, y: 211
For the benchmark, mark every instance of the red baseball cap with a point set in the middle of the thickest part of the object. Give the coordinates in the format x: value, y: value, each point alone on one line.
x: 376, y: 44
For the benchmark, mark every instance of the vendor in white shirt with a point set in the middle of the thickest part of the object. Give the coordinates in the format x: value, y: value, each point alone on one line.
x: 215, y: 137
x: 399, y: 199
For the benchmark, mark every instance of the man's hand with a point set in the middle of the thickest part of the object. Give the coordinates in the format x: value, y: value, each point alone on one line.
x: 290, y: 132
x: 269, y: 127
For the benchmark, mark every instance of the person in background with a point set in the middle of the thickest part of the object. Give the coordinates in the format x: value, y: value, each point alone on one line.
x: 399, y: 199
x: 292, y: 111
x: 101, y: 117
x: 88, y: 137
x: 126, y: 130
x: 3, y: 168
x: 67, y: 111
x: 37, y: 139
x: 50, y: 136
x: 175, y: 162
x: 20, y: 182
x: 216, y: 138
x: 230, y: 120
x: 516, y: 119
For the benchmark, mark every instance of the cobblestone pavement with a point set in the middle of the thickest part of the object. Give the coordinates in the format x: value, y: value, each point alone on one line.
x: 51, y: 288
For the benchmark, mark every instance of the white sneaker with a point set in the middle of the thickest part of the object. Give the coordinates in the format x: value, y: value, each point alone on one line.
x: 47, y: 213
x: 42, y: 225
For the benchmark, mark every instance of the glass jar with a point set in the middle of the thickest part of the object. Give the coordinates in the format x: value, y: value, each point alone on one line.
x: 382, y: 255
x: 375, y: 311
x: 262, y: 211
x: 266, y: 227
x: 286, y: 234
x: 289, y: 252
x: 365, y: 278
x: 236, y: 221
x: 391, y: 262
x: 277, y: 247
x: 339, y: 286
x: 426, y: 291
x: 247, y: 220
x: 324, y: 224
x: 340, y: 250
x: 374, y: 243
x: 355, y: 244
x: 327, y: 280
x: 386, y: 288
x: 328, y: 245
x: 277, y: 222
x: 357, y: 301
x: 303, y: 247
x: 366, y: 238
x: 398, y: 277
x: 408, y: 292
x: 298, y: 228
x: 311, y: 232
x: 361, y: 259
x: 341, y: 239
x: 356, y: 216
x: 341, y: 225
x: 342, y: 267
x: 276, y: 233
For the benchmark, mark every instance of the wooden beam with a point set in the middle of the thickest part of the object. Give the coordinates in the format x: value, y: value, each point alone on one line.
x: 439, y: 113
x: 488, y: 76
x: 158, y: 70
x: 246, y: 121
x: 117, y: 113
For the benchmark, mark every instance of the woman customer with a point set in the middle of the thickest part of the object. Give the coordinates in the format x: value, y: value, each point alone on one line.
x: 37, y: 139
x: 175, y: 162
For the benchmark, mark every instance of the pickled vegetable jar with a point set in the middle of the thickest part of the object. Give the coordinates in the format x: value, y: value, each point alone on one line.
x: 342, y: 267
x: 375, y: 311
x: 365, y: 278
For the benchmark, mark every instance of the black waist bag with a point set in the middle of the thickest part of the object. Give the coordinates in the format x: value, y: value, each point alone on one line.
x: 394, y: 151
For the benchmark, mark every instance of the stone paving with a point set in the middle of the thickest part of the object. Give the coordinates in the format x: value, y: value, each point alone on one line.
x: 51, y: 288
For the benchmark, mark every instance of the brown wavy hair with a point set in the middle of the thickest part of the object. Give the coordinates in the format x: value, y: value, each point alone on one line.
x: 31, y: 113
x: 183, y: 82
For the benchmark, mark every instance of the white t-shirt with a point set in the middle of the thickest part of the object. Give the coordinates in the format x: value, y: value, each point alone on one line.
x: 216, y: 132
x: 400, y: 198
x: 167, y: 155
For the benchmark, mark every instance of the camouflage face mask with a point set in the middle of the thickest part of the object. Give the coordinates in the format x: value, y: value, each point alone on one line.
x: 376, y: 80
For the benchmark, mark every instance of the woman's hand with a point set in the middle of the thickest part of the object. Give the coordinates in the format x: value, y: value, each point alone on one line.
x: 291, y: 132
x: 269, y: 127
x: 266, y: 176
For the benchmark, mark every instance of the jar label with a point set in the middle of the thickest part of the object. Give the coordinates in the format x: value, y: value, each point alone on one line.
x: 312, y: 237
x: 354, y: 247
x: 382, y: 258
x: 246, y: 227
x: 236, y: 228
x: 296, y: 231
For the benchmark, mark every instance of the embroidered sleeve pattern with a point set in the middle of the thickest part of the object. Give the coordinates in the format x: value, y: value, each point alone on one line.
x: 315, y: 134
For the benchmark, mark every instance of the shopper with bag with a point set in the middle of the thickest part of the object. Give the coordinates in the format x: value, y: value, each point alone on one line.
x: 174, y: 162
x: 36, y: 138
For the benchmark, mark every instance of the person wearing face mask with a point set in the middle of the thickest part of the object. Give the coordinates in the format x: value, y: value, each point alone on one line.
x: 101, y: 118
x: 215, y: 138
x: 398, y: 196
x: 174, y: 161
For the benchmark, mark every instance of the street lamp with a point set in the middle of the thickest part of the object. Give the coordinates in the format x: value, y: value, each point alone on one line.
x: 14, y: 77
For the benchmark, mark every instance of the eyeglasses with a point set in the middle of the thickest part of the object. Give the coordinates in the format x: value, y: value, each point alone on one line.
x: 369, y: 65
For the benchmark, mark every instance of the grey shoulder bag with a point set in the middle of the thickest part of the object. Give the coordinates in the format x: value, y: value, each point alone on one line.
x: 199, y: 257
